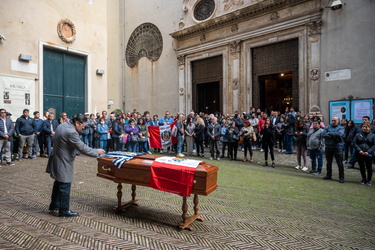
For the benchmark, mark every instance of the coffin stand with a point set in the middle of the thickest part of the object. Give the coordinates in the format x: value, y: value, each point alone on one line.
x: 137, y: 172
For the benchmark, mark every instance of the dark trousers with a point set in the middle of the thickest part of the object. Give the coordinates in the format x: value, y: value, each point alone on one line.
x: 232, y: 148
x: 337, y: 153
x: 116, y: 143
x: 364, y: 163
x: 289, y: 144
x: 214, y: 148
x: 38, y: 141
x: 225, y: 144
x: 267, y: 146
x: 200, y: 148
x: 49, y: 141
x: 60, y: 197
x: 316, y: 156
x: 247, y: 146
x: 281, y: 141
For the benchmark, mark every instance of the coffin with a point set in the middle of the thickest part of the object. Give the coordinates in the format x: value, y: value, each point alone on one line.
x: 137, y: 172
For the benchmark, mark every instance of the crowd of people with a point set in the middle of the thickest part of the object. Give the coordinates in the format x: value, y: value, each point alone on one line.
x: 224, y: 135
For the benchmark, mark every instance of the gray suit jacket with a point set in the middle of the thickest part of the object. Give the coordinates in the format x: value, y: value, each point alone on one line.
x: 61, y: 163
x: 10, y: 128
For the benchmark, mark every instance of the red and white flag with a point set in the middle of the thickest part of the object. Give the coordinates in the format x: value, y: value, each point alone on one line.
x: 160, y: 136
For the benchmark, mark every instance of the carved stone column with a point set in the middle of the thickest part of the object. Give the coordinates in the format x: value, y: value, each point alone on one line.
x: 234, y: 75
x: 313, y: 62
x: 181, y: 85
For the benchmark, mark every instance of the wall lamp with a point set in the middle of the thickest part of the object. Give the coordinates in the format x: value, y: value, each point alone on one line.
x: 335, y: 5
x: 100, y: 71
x: 24, y: 57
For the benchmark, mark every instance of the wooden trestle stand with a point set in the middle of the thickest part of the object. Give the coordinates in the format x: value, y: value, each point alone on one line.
x: 137, y: 172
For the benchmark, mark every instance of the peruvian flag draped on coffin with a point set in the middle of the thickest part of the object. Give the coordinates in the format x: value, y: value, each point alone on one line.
x: 160, y: 137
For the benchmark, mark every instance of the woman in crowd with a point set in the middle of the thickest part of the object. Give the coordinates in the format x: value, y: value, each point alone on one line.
x: 224, y: 139
x: 280, y: 133
x: 189, y: 133
x: 232, y: 134
x: 254, y: 123
x: 103, y: 131
x: 268, y: 141
x: 364, y: 144
x: 301, y: 144
x: 348, y: 137
x: 247, y: 133
x: 117, y: 130
x: 132, y: 130
x: 143, y: 136
x: 307, y: 121
x: 199, y: 136
x: 317, y: 118
x: 261, y: 122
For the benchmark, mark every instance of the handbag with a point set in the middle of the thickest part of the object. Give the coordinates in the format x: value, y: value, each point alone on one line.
x: 254, y: 137
x: 240, y: 140
x: 143, y: 139
x: 134, y: 138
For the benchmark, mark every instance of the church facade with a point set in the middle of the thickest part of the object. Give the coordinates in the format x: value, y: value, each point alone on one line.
x: 232, y: 55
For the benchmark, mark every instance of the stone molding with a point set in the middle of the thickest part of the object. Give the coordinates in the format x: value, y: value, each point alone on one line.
x: 292, y: 23
x: 258, y: 9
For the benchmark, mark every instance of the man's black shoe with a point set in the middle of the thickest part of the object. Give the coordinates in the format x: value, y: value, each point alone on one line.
x: 68, y: 214
x: 341, y: 181
x: 350, y: 166
x: 327, y: 178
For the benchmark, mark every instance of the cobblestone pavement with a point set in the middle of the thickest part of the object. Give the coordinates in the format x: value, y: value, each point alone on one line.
x: 236, y: 216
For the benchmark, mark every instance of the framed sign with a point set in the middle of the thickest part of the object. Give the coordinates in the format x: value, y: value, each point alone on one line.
x: 360, y: 108
x: 341, y: 109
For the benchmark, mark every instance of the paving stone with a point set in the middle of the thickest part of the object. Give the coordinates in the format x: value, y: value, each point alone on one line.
x: 230, y: 223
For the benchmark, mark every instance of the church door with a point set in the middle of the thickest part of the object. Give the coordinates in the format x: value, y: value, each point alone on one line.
x: 63, y: 82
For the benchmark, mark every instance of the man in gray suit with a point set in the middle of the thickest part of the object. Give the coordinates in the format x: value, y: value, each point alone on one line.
x: 6, y: 132
x: 61, y: 163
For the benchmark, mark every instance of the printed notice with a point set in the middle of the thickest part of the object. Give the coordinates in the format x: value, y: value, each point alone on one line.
x: 361, y: 109
x: 18, y: 93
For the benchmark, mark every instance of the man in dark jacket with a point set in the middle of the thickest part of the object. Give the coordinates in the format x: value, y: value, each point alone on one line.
x: 61, y: 163
x: 213, y: 132
x: 333, y: 135
x: 39, y: 135
x: 6, y: 132
x: 25, y: 129
x: 49, y: 128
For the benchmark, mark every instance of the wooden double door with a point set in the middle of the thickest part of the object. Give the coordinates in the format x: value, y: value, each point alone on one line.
x: 64, y: 82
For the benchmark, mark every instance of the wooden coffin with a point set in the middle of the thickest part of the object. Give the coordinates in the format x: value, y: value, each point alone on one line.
x: 137, y: 172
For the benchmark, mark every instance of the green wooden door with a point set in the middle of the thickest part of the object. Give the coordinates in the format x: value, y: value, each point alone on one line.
x: 63, y: 82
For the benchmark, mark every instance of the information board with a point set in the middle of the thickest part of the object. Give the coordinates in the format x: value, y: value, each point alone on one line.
x: 341, y: 109
x: 361, y: 108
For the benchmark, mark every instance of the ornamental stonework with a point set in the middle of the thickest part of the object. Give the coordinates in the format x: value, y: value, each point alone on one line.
x: 204, y: 9
x: 314, y: 74
x: 66, y: 30
x: 229, y: 4
x: 235, y: 47
x: 145, y: 41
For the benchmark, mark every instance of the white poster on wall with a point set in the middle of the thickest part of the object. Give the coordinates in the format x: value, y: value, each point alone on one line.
x: 16, y: 94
